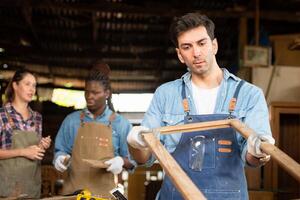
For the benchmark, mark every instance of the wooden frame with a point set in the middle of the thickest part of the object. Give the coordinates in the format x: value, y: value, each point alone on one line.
x: 173, y: 170
x: 257, y: 56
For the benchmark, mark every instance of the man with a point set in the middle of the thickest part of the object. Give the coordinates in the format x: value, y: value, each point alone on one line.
x: 207, y: 91
x: 94, y: 138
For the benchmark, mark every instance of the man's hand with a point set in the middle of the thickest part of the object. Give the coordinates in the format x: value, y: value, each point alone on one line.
x: 253, y: 145
x: 62, y: 162
x: 115, y: 165
x: 134, y: 137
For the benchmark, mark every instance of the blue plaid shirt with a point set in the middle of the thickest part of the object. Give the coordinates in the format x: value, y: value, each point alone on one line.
x: 33, y: 123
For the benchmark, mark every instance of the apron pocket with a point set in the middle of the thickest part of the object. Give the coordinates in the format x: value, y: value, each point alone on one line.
x: 209, y: 159
x: 222, y: 194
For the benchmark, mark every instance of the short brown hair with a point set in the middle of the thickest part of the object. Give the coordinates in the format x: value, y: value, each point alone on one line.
x: 188, y: 22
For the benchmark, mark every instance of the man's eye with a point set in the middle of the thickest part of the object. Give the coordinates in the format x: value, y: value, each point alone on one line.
x: 185, y: 47
x: 202, y: 43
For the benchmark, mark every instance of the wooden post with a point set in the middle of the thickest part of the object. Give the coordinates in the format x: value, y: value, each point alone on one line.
x: 286, y: 162
x: 174, y: 171
x: 178, y: 177
x: 200, y: 126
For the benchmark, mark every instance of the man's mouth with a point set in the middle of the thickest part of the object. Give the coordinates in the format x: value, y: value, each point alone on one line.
x: 199, y: 62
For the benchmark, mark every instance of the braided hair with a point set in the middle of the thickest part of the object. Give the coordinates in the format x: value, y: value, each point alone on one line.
x: 100, y: 72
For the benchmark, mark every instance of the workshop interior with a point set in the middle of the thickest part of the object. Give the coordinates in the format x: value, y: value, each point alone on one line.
x: 258, y: 41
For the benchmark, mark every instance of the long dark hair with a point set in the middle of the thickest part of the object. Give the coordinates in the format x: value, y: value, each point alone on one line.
x: 100, y: 72
x: 18, y: 76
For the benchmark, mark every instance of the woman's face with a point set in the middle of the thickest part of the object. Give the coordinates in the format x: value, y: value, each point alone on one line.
x: 25, y: 88
x: 95, y: 96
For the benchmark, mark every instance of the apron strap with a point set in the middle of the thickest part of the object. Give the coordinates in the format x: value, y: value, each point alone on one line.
x: 10, y: 120
x: 185, y: 102
x: 82, y: 118
x: 112, y: 117
x: 12, y: 123
x: 232, y: 102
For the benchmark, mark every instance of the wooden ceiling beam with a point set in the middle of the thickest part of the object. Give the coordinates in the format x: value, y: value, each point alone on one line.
x: 148, y: 11
x: 102, y: 6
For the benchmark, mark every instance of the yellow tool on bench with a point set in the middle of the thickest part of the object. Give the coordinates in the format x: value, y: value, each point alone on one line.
x: 87, y: 195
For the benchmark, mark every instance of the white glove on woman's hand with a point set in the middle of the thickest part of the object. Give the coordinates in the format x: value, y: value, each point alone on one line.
x: 254, y: 142
x: 115, y: 165
x: 62, y: 162
x: 134, y: 137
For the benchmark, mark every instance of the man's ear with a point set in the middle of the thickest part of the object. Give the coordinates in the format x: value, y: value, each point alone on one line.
x: 107, y: 93
x: 215, y: 46
x: 179, y: 55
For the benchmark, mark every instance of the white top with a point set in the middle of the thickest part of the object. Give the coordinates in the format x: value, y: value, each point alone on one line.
x: 204, y: 99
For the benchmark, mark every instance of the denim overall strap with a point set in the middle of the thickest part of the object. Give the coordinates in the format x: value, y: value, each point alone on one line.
x: 222, y: 174
x: 232, y: 103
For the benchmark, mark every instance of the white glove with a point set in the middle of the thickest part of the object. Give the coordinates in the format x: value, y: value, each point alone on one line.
x: 115, y: 165
x: 62, y: 162
x: 134, y: 137
x: 254, y: 142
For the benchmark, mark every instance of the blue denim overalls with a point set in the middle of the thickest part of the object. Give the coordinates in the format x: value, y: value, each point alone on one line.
x: 222, y: 175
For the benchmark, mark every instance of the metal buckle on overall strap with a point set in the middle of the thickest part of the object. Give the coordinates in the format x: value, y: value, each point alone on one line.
x: 232, y: 104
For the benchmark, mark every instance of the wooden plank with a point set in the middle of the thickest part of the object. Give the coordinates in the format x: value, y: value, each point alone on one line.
x: 173, y: 170
x: 200, y: 126
x: 291, y: 166
x: 286, y: 162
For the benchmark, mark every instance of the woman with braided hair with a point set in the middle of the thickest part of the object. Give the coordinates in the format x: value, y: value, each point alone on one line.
x: 91, y: 143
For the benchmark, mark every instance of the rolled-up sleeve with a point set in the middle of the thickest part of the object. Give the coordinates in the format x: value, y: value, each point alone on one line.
x: 257, y: 118
x: 65, y: 137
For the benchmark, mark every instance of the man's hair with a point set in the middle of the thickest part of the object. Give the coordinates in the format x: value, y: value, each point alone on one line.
x: 188, y: 22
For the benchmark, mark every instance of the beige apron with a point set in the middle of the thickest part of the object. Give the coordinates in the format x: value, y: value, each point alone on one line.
x: 80, y: 175
x: 21, y: 176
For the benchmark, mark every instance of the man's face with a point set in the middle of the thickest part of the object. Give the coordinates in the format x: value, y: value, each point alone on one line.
x: 197, y: 50
x: 95, y: 96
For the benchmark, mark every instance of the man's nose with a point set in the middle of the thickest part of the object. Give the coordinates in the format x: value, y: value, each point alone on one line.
x: 197, y: 51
